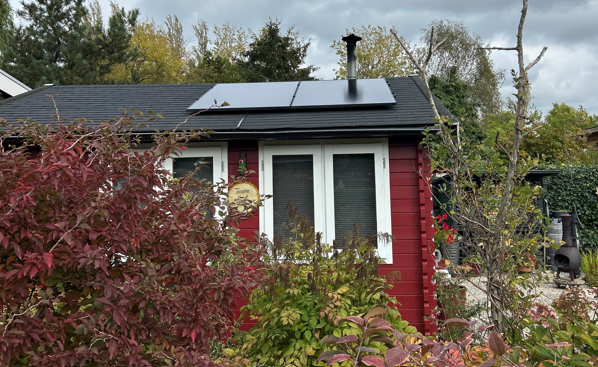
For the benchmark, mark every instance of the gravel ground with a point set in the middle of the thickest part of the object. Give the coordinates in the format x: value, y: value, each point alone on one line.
x: 547, y: 291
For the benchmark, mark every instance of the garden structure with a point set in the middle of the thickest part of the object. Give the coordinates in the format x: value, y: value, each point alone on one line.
x: 345, y: 152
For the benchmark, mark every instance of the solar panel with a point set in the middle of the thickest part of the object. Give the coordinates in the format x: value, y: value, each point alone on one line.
x: 343, y: 93
x: 244, y: 96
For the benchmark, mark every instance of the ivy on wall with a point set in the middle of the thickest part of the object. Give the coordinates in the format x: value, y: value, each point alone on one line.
x: 577, y: 184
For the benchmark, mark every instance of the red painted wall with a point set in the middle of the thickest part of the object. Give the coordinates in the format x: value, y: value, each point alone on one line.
x: 411, y: 208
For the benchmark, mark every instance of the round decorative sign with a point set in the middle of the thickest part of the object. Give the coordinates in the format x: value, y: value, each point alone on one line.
x: 244, y: 195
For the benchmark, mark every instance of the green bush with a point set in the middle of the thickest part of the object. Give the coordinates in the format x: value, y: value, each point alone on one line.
x: 577, y: 184
x: 589, y: 266
x: 564, y: 334
x: 309, y: 287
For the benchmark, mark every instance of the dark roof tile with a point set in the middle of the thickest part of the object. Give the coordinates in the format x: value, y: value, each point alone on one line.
x: 104, y: 102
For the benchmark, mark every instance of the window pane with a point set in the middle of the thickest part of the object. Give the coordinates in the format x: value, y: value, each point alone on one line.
x: 204, y: 165
x: 182, y: 166
x: 354, y: 194
x: 293, y: 179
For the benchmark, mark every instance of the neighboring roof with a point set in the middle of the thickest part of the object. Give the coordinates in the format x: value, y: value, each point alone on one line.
x: 10, y: 86
x: 103, y: 102
x: 537, y: 175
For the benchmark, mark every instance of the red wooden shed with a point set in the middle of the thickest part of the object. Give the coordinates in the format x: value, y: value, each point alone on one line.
x: 334, y: 147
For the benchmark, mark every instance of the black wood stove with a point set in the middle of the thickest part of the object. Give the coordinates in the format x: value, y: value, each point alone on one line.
x: 567, y: 258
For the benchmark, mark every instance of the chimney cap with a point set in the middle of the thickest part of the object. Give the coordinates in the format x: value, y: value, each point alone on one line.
x: 352, y: 38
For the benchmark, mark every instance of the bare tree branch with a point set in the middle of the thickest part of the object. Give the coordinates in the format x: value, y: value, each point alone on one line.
x: 439, y: 44
x: 411, y: 57
x: 422, y: 70
x: 500, y: 145
x: 430, y: 49
x: 531, y: 64
x: 499, y: 48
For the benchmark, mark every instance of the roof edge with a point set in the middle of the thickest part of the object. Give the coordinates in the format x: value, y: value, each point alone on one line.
x: 28, y: 93
x: 15, y: 80
x: 421, y: 86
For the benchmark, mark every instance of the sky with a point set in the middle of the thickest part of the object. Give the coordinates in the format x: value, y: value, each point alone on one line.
x: 568, y: 72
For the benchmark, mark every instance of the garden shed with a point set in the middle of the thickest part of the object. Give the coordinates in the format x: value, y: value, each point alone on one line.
x: 345, y: 152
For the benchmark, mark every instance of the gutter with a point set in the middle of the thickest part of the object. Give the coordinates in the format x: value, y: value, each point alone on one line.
x: 312, y: 133
x: 379, y: 132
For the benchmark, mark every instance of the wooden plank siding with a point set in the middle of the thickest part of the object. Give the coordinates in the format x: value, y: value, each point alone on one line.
x: 409, y: 227
x: 411, y: 206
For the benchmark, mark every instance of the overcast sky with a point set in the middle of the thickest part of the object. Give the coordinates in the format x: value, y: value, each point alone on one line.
x: 569, y: 28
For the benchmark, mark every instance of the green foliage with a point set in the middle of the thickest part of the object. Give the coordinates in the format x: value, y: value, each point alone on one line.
x: 378, y: 54
x: 462, y: 50
x: 77, y: 52
x: 5, y: 20
x: 456, y: 95
x: 275, y: 57
x: 214, y: 69
x: 577, y: 184
x: 565, y: 334
x: 309, y: 287
x: 158, y: 55
x: 589, y: 266
x: 561, y: 137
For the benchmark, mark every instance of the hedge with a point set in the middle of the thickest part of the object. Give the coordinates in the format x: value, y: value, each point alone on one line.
x: 577, y: 184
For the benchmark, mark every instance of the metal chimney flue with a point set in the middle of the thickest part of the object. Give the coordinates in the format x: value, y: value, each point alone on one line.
x: 351, y: 41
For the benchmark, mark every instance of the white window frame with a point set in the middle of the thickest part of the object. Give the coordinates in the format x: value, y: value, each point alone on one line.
x: 217, y: 151
x: 266, y: 184
x: 323, y: 153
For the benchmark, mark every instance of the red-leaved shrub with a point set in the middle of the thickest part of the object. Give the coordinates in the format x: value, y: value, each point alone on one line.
x: 104, y: 258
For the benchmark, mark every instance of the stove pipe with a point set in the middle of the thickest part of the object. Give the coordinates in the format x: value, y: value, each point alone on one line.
x: 351, y: 41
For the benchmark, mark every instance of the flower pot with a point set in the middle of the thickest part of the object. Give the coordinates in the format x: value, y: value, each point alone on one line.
x: 454, y: 252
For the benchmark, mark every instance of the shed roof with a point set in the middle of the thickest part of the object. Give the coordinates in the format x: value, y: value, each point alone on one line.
x: 103, y: 102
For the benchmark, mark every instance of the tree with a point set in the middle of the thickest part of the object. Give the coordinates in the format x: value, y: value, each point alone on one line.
x: 107, y: 261
x: 561, y: 137
x: 378, y: 56
x: 491, y: 202
x: 274, y: 57
x: 216, y: 61
x: 5, y: 20
x: 55, y: 44
x: 159, y: 56
x: 214, y: 69
x: 230, y: 42
x: 456, y: 97
x: 466, y: 51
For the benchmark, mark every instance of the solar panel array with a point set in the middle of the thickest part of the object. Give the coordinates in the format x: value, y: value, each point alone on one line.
x: 299, y: 95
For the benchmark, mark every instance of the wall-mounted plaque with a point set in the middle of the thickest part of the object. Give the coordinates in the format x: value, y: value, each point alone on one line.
x: 245, y: 196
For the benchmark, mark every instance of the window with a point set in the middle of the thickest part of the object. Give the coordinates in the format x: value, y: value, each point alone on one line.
x: 213, y: 160
x: 337, y: 186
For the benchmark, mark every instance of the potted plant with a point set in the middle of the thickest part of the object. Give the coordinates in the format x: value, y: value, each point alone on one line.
x: 526, y: 263
x: 523, y: 253
x: 444, y: 239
